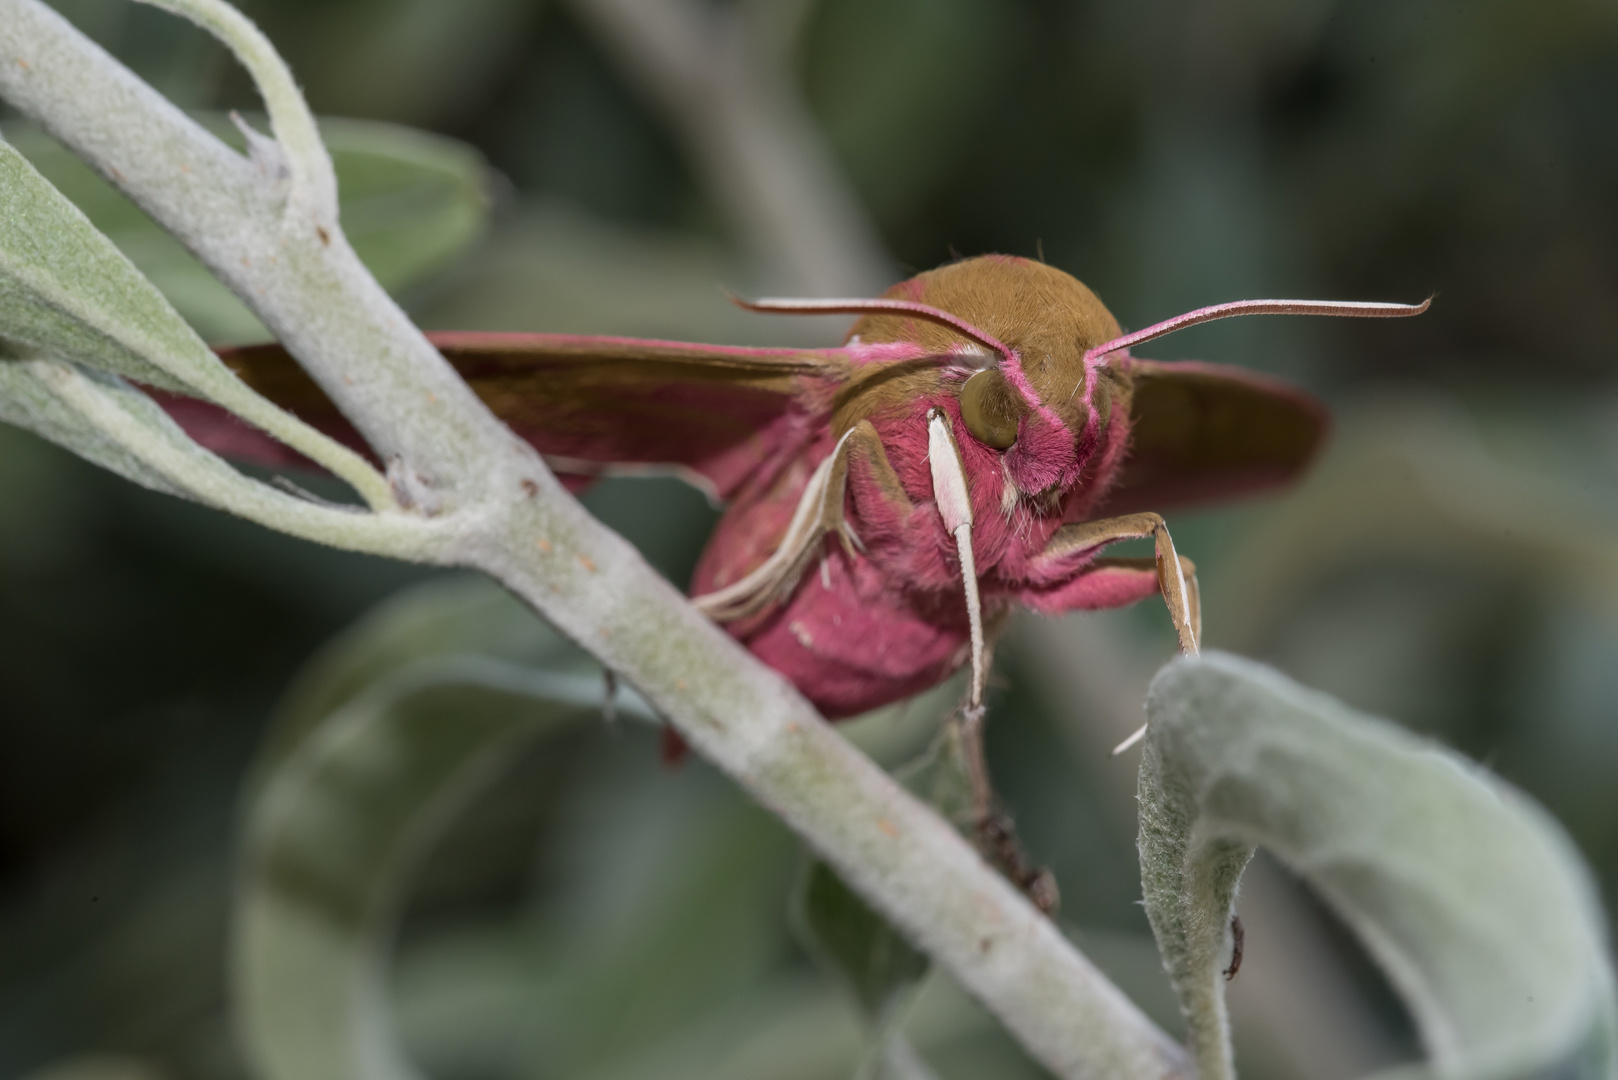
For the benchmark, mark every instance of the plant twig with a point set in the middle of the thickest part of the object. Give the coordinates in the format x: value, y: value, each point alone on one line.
x: 500, y: 510
x: 313, y: 180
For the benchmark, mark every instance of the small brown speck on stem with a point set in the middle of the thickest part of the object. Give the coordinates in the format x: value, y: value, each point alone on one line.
x: 529, y: 488
x: 325, y: 237
x: 1238, y: 937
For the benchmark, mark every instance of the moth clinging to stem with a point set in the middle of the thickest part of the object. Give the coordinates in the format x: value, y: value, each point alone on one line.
x: 976, y: 443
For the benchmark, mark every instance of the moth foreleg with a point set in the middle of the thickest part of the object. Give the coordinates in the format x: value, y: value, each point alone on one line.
x: 862, y: 444
x: 1176, y: 575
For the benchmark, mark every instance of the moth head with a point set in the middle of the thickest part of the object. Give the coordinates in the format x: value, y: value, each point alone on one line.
x: 1040, y: 366
x: 1033, y: 324
x: 1012, y: 345
x: 1007, y: 337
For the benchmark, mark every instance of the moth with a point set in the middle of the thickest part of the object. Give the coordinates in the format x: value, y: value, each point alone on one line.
x: 977, y: 442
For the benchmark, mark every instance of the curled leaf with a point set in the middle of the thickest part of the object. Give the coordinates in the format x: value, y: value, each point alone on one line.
x: 1468, y: 895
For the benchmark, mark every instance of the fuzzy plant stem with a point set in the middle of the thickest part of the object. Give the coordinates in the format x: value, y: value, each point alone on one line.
x: 266, y: 225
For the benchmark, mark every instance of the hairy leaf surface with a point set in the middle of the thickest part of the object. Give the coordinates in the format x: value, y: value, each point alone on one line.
x: 1467, y: 894
x: 66, y: 291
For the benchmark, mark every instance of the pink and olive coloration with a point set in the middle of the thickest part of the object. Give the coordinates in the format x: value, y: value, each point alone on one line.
x: 833, y: 562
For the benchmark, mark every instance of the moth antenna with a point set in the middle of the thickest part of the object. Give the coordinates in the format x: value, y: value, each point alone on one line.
x: 1362, y: 309
x: 777, y: 305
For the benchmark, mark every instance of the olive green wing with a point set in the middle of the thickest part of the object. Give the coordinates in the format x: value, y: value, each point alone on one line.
x: 588, y: 403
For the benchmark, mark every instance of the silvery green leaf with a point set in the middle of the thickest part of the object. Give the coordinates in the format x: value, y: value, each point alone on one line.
x: 415, y: 720
x: 1467, y: 894
x: 411, y: 204
x: 30, y: 397
x: 105, y: 420
x: 66, y: 291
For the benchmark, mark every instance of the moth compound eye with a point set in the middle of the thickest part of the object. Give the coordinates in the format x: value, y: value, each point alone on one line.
x: 991, y: 408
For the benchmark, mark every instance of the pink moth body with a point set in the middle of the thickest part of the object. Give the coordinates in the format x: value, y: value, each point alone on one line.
x: 866, y: 627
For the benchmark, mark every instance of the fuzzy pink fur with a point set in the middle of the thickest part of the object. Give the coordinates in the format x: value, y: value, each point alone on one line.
x: 1044, y: 454
x: 1092, y: 589
x: 875, y: 627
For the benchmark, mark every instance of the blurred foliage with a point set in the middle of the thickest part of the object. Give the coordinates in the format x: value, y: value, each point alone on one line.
x: 1451, y: 562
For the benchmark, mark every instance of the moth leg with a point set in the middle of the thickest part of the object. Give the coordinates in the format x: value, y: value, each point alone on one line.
x: 996, y: 832
x: 863, y: 444
x: 819, y: 511
x: 1176, y: 576
x: 1188, y: 570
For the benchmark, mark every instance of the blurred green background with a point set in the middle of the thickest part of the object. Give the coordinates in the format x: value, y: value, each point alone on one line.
x: 1452, y: 563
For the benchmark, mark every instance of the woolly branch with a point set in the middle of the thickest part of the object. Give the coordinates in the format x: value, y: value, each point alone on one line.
x: 497, y: 508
